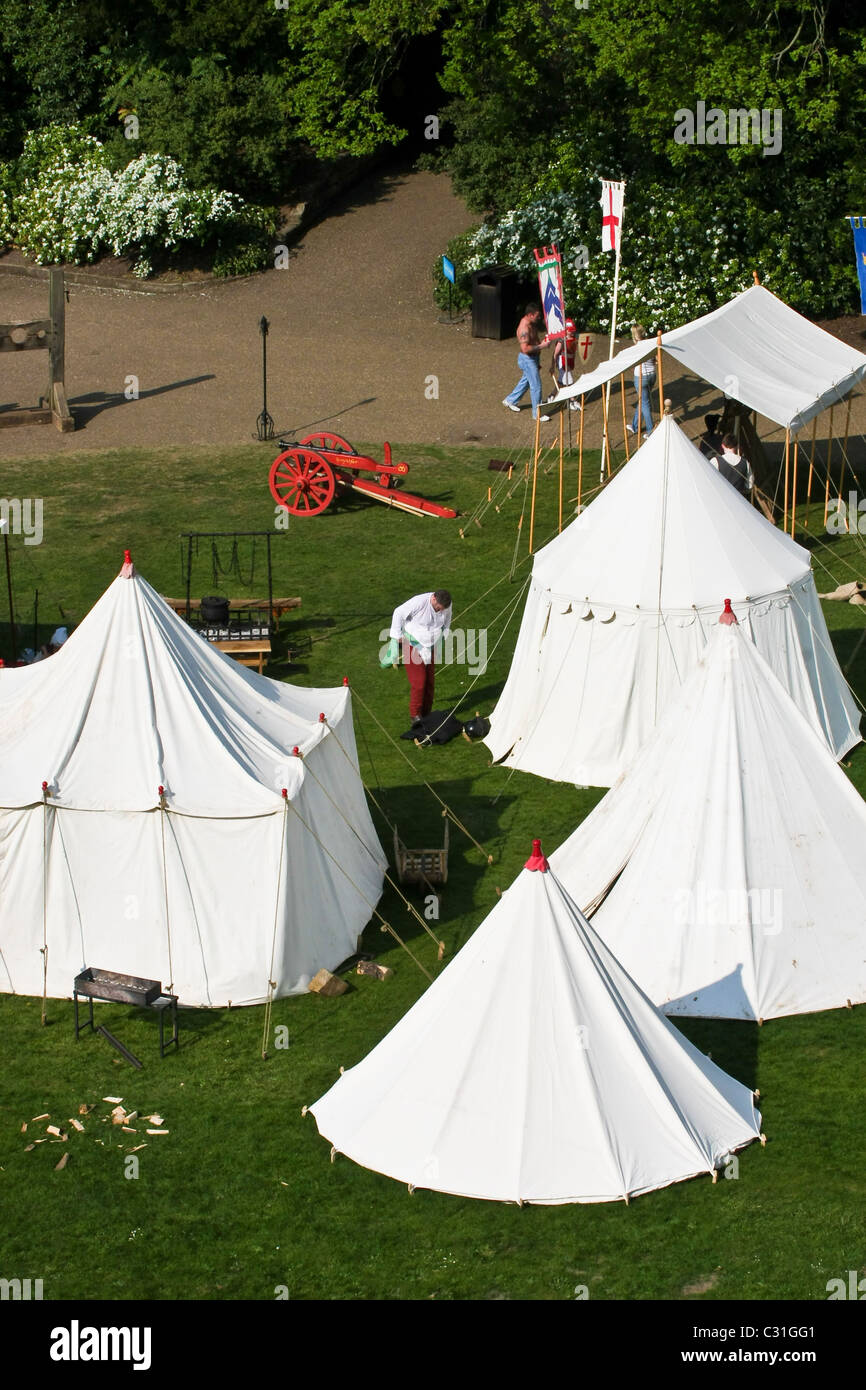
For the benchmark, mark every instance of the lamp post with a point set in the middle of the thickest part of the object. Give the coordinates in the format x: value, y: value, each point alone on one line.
x: 264, y: 423
x: 13, y: 635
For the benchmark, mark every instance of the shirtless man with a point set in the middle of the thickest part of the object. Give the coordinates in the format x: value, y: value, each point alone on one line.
x: 530, y: 344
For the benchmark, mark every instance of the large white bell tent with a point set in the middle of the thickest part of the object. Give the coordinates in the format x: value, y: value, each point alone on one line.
x: 727, y: 867
x: 620, y: 606
x: 166, y: 813
x: 535, y: 1070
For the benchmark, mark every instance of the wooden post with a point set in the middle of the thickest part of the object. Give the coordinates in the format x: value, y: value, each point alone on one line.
x: 561, y: 447
x: 829, y: 457
x: 580, y: 453
x: 624, y: 428
x: 811, y: 470
x: 794, y: 492
x: 787, y: 457
x: 60, y: 412
x: 534, y: 478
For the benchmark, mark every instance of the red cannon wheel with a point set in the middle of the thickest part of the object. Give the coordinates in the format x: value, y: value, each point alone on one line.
x: 335, y: 442
x: 302, y: 482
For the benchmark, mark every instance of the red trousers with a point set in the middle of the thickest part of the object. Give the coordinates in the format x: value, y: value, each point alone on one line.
x: 421, y: 679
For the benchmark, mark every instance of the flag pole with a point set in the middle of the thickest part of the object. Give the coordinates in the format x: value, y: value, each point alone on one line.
x: 604, y: 443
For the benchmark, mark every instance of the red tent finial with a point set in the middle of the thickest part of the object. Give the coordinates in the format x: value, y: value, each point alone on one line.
x: 729, y: 617
x: 536, y: 860
x: 127, y: 569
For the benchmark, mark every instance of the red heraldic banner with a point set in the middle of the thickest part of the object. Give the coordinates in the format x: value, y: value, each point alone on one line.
x: 550, y: 285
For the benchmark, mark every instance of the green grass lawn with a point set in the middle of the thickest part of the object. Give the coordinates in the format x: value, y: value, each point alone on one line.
x: 240, y: 1197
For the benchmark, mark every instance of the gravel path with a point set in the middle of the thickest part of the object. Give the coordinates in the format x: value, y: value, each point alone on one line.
x: 354, y: 342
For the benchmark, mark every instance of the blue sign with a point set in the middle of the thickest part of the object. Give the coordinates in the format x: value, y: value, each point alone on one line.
x: 448, y: 269
x: 858, y: 227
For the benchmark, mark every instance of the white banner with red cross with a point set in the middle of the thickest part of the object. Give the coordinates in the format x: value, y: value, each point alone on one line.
x: 612, y: 195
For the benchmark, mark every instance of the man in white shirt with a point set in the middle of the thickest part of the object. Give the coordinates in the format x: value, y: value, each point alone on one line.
x: 418, y: 624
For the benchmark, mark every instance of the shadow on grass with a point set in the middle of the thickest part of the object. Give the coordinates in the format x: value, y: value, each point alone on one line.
x: 733, y: 1044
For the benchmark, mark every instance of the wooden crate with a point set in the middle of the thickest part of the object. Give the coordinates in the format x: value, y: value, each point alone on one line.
x: 421, y: 865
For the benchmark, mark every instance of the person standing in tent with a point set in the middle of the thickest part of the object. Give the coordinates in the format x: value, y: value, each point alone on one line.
x: 530, y: 345
x: 733, y: 467
x: 644, y: 381
x: 562, y: 366
x: 416, y: 626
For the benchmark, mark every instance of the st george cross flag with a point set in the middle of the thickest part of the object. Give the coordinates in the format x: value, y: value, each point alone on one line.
x: 611, y: 215
x: 550, y: 286
x: 858, y: 227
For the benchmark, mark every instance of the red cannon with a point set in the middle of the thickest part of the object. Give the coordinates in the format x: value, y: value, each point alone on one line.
x: 306, y: 477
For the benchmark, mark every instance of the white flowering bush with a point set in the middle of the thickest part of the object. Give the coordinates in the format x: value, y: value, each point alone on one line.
x: 672, y: 269
x: 682, y: 254
x: 70, y: 206
x: 6, y: 187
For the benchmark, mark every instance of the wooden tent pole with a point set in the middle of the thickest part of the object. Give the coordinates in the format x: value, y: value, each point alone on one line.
x: 639, y: 402
x: 622, y: 396
x: 580, y: 453
x: 829, y: 457
x: 605, y: 442
x: 787, y: 456
x: 811, y: 470
x: 845, y: 459
x: 794, y: 492
x: 659, y: 373
x: 534, y: 477
x: 561, y: 447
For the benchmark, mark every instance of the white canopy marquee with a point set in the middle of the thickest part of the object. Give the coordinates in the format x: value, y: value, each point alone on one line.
x: 726, y: 868
x: 535, y: 1070
x: 620, y: 606
x: 163, y: 843
x: 756, y: 349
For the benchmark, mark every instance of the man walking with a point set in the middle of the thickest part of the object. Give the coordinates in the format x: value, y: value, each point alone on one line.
x: 416, y: 627
x: 530, y: 344
x: 644, y: 381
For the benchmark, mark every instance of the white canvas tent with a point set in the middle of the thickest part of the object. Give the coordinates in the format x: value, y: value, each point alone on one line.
x: 534, y: 1070
x: 727, y: 867
x: 756, y: 349
x: 620, y: 606
x: 221, y: 884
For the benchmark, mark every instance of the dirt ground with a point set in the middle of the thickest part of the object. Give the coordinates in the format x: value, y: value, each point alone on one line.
x: 354, y: 343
